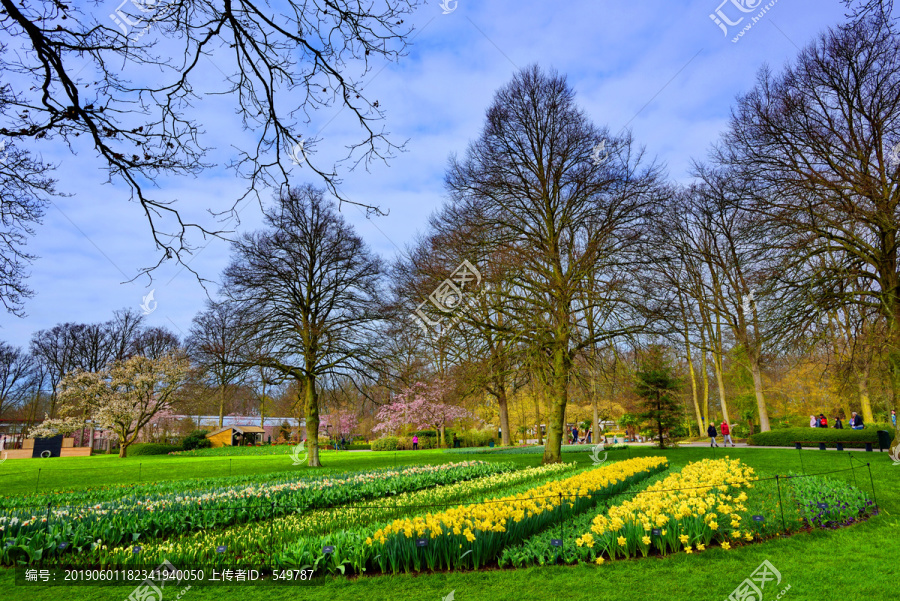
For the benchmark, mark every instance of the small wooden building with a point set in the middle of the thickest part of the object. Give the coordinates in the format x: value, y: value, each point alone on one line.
x: 232, y: 436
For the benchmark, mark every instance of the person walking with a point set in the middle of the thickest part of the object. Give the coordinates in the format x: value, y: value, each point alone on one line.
x: 856, y: 421
x: 574, y: 434
x: 894, y: 418
x: 415, y: 443
x: 711, y: 432
x: 813, y: 422
x: 726, y: 434
x: 343, y: 443
x: 838, y: 424
x: 823, y: 421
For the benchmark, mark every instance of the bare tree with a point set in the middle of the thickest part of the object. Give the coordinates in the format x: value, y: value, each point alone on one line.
x: 68, y: 80
x: 16, y: 371
x: 24, y: 189
x: 310, y: 286
x: 562, y: 215
x: 215, y: 343
x: 54, y: 349
x: 155, y: 342
x: 821, y: 140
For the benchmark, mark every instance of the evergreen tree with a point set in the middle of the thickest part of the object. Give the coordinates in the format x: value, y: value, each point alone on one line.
x: 656, y: 385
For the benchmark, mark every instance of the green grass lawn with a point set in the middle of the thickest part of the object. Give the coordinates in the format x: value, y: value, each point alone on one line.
x: 858, y: 562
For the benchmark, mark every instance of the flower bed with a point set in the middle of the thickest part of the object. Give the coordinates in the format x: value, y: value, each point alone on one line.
x: 254, y: 543
x: 680, y: 511
x: 32, y: 536
x: 470, y: 536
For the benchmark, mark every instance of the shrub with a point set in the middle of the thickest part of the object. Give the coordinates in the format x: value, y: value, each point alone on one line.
x: 151, y: 448
x: 388, y: 443
x: 196, y: 440
x: 811, y: 437
x: 476, y: 438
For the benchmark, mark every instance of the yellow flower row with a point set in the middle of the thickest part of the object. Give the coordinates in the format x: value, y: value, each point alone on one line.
x: 684, y: 509
x: 497, y: 515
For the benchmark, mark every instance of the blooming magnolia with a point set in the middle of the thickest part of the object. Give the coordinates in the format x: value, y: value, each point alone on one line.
x: 122, y: 398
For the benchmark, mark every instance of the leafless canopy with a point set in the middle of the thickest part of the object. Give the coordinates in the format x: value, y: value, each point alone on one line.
x: 125, y: 84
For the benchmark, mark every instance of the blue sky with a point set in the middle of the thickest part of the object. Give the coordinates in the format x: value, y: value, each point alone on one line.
x: 662, y: 68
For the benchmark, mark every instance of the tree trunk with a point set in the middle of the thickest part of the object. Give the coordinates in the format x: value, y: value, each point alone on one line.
x: 312, y: 422
x: 694, y: 392
x: 558, y: 401
x: 537, y: 415
x: 123, y: 450
x: 503, y: 407
x: 760, y: 398
x: 862, y: 382
x: 221, y: 405
x: 662, y: 444
x: 442, y: 429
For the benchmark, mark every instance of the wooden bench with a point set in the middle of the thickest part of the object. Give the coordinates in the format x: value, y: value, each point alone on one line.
x: 798, y: 444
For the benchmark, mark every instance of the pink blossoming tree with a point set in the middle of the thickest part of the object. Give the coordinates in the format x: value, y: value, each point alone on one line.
x: 422, y: 406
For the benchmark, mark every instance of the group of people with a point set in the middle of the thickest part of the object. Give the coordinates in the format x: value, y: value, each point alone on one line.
x: 856, y: 421
x: 588, y: 435
x: 726, y: 434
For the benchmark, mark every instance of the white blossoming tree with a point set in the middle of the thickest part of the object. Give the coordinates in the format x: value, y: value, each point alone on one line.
x: 122, y: 398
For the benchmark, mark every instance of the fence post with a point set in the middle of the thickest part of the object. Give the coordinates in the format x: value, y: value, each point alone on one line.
x: 48, y: 514
x: 272, y: 521
x: 38, y: 480
x: 852, y: 469
x: 139, y: 471
x: 229, y: 468
x: 562, y: 526
x: 780, y: 504
x: 872, y: 482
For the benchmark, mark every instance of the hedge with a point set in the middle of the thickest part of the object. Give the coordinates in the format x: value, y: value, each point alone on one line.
x: 811, y: 437
x: 403, y: 443
x: 152, y: 448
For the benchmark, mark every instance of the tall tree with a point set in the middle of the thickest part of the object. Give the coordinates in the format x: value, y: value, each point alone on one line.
x: 818, y: 141
x: 16, y: 371
x: 561, y: 215
x: 656, y: 385
x: 216, y: 343
x: 310, y: 286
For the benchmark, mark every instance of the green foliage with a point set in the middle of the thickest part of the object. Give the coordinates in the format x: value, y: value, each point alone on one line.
x: 87, y: 522
x: 824, y: 501
x: 388, y: 443
x: 196, y: 440
x: 656, y: 384
x: 533, y: 450
x: 475, y: 438
x: 136, y: 450
x: 811, y: 437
